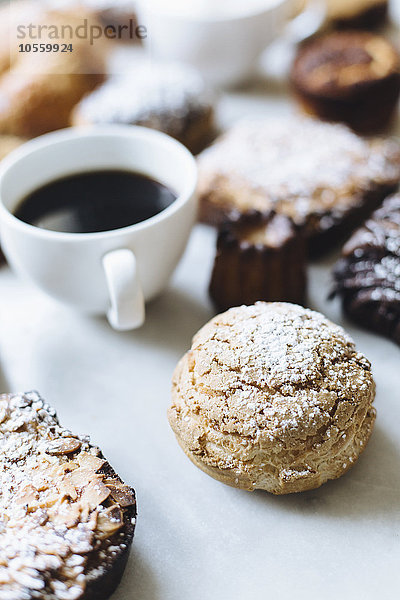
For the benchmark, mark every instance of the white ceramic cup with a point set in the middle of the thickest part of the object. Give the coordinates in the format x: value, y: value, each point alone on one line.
x: 225, y: 45
x: 110, y: 272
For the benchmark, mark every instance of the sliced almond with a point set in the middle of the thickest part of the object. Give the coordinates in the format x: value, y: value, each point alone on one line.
x: 3, y: 413
x: 48, y: 499
x: 28, y: 495
x: 82, y: 477
x: 65, y: 445
x: 94, y: 494
x: 120, y: 492
x: 88, y: 461
x: 66, y: 514
x: 66, y: 488
x: 68, y: 466
x: 109, y: 521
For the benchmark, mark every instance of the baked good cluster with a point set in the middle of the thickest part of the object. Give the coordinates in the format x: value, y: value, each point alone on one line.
x: 271, y: 395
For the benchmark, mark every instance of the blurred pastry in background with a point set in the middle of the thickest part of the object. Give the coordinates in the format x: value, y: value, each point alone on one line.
x: 349, y: 76
x: 39, y: 90
x: 8, y: 143
x: 120, y: 14
x: 259, y: 257
x: 323, y: 176
x: 17, y: 11
x: 363, y: 14
x: 367, y: 276
x: 169, y: 97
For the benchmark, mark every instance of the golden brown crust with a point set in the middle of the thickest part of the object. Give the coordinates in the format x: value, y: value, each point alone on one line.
x: 17, y: 11
x: 274, y: 397
x: 39, y: 90
x: 8, y: 143
x: 41, y: 104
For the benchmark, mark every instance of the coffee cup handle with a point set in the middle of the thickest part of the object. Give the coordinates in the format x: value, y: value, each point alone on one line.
x: 126, y: 310
x: 307, y: 22
x: 276, y: 60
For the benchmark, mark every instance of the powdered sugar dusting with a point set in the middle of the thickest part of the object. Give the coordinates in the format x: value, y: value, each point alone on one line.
x: 279, y: 362
x: 273, y: 396
x: 280, y: 344
x: 301, y: 159
x: 158, y: 95
x: 54, y: 508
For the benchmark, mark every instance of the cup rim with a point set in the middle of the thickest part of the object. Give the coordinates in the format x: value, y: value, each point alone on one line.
x: 63, y: 136
x: 209, y: 18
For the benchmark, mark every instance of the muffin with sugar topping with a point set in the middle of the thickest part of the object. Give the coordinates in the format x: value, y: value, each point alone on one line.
x: 323, y: 176
x: 272, y: 396
x: 169, y: 97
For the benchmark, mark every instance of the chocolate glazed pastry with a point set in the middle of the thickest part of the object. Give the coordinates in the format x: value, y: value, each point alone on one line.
x: 259, y: 257
x: 66, y: 518
x: 352, y: 77
x: 367, y: 277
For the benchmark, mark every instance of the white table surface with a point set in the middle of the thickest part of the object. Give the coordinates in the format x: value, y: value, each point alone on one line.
x: 196, y: 538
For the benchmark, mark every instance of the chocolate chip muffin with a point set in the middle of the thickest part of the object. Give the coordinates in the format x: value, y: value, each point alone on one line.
x: 349, y: 76
x: 272, y: 396
x: 66, y: 518
x: 322, y: 176
x: 168, y: 97
x: 367, y: 276
x: 259, y: 257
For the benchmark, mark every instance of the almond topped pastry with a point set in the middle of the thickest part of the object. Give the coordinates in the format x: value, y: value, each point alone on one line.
x: 66, y: 518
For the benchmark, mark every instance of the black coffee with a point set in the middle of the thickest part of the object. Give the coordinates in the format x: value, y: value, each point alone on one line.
x: 94, y: 201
